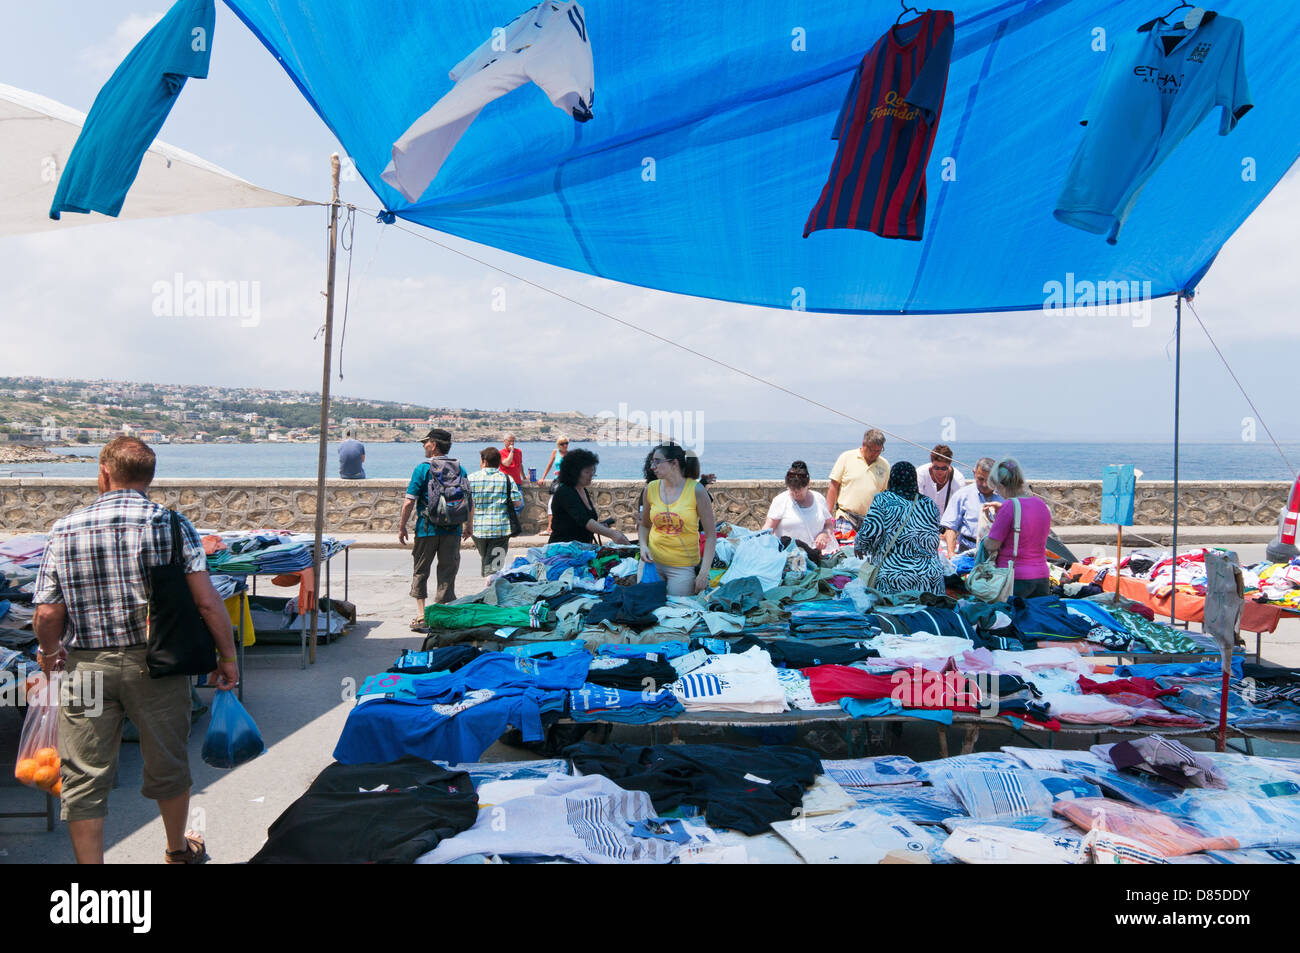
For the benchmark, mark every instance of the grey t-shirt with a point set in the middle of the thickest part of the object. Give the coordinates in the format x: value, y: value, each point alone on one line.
x: 350, y: 454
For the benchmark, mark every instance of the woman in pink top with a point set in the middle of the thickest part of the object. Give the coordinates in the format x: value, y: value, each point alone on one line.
x: 1030, y: 555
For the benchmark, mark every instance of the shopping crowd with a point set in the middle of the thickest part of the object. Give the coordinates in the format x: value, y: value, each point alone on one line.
x: 910, y: 522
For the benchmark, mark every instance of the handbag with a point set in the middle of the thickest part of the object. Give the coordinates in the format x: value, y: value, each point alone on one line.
x: 986, y: 581
x: 871, y: 568
x: 515, y: 528
x: 179, y: 640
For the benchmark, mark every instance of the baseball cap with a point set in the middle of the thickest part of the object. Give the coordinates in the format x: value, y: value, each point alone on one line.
x: 437, y: 434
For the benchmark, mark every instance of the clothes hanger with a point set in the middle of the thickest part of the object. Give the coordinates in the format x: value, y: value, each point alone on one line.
x: 1165, y: 19
x: 906, y: 10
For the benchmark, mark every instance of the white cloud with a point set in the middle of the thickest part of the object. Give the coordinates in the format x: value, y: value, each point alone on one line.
x: 107, y: 54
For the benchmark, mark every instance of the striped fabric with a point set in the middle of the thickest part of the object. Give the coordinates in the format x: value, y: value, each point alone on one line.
x: 590, y: 819
x: 1113, y: 849
x: 886, y: 129
x: 698, y: 685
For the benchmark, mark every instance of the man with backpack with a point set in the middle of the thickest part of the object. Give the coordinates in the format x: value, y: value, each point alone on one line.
x: 439, y: 491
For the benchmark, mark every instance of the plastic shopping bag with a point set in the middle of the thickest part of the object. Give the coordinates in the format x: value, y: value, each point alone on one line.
x: 758, y: 555
x: 232, y: 736
x: 38, y: 745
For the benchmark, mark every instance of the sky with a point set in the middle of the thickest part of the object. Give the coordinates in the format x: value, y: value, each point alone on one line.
x: 78, y: 303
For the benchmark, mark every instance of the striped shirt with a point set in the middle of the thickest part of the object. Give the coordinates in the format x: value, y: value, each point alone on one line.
x: 489, y: 487
x: 97, y: 563
x: 886, y: 129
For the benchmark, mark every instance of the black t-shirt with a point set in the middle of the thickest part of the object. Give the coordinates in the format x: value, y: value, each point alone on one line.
x: 569, y: 517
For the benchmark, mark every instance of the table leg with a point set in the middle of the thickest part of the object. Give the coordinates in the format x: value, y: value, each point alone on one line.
x: 327, y: 596
x: 969, y: 741
x: 943, y: 741
x: 239, y: 644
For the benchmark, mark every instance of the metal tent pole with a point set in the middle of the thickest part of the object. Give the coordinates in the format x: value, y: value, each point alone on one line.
x: 1178, y: 368
x: 324, y: 403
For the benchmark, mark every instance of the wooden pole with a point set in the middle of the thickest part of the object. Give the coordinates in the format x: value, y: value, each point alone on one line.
x: 1119, y: 553
x: 324, y: 404
x: 1178, y: 371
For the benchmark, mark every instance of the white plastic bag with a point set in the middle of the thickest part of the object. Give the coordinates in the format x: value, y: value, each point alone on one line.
x: 758, y: 555
x: 38, y: 746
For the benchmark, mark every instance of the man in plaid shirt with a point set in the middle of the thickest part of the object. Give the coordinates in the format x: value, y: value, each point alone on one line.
x: 493, y: 490
x: 92, y: 615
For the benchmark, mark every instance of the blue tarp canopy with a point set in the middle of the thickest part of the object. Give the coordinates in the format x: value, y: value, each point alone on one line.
x: 734, y: 103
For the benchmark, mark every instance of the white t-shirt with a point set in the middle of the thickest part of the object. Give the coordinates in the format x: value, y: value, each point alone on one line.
x: 803, y: 523
x: 940, y: 496
x: 741, y: 681
x: 548, y: 45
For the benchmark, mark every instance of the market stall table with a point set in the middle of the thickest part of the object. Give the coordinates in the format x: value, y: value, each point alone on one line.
x: 328, y: 553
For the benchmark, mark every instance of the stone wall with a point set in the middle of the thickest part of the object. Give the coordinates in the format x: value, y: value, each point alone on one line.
x: 372, y: 506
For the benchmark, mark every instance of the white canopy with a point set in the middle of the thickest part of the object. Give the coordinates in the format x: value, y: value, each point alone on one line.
x: 36, y: 137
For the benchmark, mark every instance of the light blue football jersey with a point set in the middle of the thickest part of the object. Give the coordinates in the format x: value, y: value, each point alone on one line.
x: 1158, y: 83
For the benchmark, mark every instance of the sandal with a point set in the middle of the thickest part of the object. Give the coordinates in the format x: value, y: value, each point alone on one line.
x: 194, y: 851
x: 417, y: 625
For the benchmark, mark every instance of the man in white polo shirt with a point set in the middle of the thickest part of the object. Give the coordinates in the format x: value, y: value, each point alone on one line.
x: 856, y: 478
x: 939, y: 479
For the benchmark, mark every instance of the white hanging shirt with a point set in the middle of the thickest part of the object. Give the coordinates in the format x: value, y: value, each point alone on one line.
x: 548, y: 46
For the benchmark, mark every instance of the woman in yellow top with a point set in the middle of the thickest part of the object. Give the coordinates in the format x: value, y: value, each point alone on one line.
x: 676, y: 506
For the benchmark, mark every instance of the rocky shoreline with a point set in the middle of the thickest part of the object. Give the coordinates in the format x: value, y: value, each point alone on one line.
x: 23, y: 454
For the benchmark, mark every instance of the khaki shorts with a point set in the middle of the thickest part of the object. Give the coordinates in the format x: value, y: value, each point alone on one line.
x: 89, y: 743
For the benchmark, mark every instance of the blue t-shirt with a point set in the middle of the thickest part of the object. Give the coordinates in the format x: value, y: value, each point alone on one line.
x: 416, y: 488
x: 132, y: 107
x: 1158, y: 83
x: 350, y: 454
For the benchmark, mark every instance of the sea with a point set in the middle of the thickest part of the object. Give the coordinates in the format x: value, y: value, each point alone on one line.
x: 729, y: 460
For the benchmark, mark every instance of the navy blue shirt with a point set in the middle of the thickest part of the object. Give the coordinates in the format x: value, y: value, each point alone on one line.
x: 351, y: 453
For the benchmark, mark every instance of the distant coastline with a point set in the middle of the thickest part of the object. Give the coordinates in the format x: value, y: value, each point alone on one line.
x: 728, y: 459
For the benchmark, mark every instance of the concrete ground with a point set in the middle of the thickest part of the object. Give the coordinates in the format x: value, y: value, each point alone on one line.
x: 301, y: 713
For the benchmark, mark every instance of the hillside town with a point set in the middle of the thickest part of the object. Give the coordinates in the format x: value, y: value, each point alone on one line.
x: 54, y: 412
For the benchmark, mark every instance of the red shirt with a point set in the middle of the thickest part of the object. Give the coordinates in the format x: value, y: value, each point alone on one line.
x: 912, y: 687
x: 515, y: 468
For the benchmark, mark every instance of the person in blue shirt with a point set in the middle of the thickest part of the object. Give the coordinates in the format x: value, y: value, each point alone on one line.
x: 352, y: 454
x: 960, y: 521
x: 432, y: 543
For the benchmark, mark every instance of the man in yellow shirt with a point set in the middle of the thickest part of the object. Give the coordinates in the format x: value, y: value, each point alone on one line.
x: 856, y: 478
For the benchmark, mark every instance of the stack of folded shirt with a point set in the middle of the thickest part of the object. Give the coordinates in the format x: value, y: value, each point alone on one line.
x: 828, y: 618
x: 599, y: 703
x: 647, y: 674
x: 743, y: 681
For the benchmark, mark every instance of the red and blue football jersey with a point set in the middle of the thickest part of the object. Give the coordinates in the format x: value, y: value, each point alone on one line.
x: 886, y: 129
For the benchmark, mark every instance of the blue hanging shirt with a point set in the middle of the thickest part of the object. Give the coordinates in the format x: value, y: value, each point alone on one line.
x: 1118, y: 488
x: 1157, y: 85
x: 131, y: 109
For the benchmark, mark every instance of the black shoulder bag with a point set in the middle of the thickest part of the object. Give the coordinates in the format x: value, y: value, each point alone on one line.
x: 516, y: 529
x: 179, y: 640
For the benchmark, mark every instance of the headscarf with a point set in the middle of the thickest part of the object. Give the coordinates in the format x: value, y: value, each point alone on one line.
x: 902, y: 480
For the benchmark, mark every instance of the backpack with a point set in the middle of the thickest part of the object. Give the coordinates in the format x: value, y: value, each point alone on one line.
x: 446, y: 495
